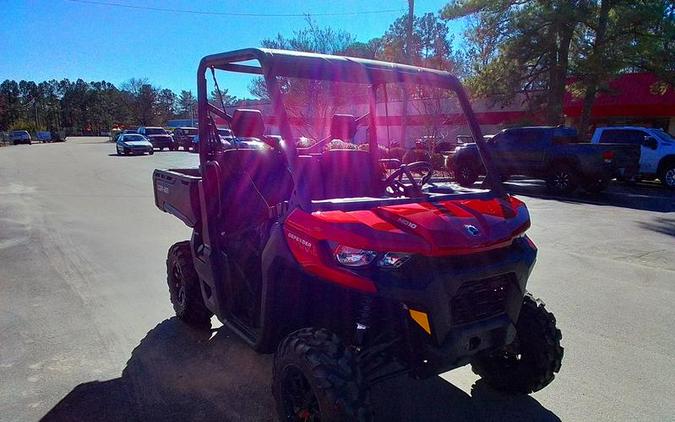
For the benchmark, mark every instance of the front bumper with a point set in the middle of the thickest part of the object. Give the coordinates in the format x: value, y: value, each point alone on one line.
x: 472, y: 302
x: 161, y: 143
x: 137, y: 150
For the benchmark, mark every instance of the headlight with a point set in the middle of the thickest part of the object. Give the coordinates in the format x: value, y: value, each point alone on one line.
x: 392, y: 259
x: 352, y: 257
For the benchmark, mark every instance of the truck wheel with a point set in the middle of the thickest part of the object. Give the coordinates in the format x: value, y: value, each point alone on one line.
x: 465, y: 174
x: 532, y: 360
x: 316, y: 377
x: 184, y: 289
x: 562, y: 179
x: 667, y: 176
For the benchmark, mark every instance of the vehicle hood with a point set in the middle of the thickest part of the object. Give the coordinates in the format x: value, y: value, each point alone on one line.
x: 467, y: 145
x: 449, y: 227
x: 138, y: 143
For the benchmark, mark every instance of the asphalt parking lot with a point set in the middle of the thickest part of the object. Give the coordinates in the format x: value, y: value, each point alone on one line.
x: 86, y: 328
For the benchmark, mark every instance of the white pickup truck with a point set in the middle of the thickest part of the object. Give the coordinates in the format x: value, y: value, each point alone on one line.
x: 657, y: 150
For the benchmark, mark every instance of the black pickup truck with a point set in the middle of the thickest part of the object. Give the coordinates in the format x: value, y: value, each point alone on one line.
x: 550, y: 153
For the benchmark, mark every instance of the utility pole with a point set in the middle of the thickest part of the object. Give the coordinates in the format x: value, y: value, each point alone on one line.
x: 409, y: 59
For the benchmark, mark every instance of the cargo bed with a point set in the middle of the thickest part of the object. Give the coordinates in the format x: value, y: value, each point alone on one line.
x: 177, y: 192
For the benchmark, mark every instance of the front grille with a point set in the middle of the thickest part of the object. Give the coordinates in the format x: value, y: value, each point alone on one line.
x: 481, y: 299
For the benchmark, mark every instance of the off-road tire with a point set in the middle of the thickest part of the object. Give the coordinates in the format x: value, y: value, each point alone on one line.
x: 537, y: 342
x: 667, y: 175
x: 184, y: 290
x: 562, y: 179
x: 465, y: 174
x: 328, y: 369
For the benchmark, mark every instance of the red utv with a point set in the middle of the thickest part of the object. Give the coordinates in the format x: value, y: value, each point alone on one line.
x: 350, y: 273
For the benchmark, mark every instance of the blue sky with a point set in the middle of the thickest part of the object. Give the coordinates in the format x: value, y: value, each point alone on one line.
x: 55, y: 39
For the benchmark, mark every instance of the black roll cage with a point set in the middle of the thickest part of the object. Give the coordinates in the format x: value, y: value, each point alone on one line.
x: 293, y: 64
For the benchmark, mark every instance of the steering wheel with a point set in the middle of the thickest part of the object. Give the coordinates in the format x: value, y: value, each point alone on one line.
x: 395, y: 180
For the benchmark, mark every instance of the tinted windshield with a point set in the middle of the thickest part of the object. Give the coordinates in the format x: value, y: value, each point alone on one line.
x: 133, y: 138
x: 190, y: 132
x: 154, y: 131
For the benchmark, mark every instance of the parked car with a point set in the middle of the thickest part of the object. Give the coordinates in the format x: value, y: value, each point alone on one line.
x: 44, y: 136
x: 56, y: 136
x: 226, y: 135
x: 550, y: 153
x: 439, y: 145
x: 657, y: 150
x: 20, y: 137
x: 227, y: 140
x: 133, y: 143
x: 158, y: 137
x: 184, y: 137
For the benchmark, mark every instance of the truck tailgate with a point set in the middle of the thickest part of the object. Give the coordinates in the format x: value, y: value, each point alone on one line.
x: 177, y: 193
x: 626, y: 156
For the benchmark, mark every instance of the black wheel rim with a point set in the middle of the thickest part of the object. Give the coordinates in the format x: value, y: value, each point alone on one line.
x: 561, y: 180
x: 670, y: 177
x: 299, y: 401
x: 178, y: 285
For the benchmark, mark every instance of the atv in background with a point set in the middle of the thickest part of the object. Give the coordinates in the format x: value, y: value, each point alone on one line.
x: 350, y: 274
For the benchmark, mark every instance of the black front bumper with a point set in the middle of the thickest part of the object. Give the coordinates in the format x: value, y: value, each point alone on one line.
x: 137, y: 150
x: 161, y: 142
x: 472, y: 302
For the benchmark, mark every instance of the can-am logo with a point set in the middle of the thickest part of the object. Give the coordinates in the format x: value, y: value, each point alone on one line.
x: 407, y: 223
x: 303, y: 242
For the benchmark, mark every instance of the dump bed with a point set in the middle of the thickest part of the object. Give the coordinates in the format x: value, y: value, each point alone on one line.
x: 177, y: 192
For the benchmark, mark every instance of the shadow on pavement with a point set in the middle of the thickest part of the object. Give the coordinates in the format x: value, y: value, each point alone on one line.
x: 660, y: 225
x: 642, y: 196
x: 178, y: 373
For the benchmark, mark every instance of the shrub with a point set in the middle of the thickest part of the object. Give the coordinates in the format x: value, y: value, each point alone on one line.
x: 339, y: 144
x: 384, y: 153
x: 416, y: 155
x: 438, y: 161
x: 397, y: 153
x: 305, y: 142
x: 24, y: 125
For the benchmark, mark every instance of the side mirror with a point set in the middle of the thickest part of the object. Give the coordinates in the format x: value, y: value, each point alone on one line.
x: 650, y: 142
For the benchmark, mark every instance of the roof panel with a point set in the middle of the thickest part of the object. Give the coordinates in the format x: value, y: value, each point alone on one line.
x: 333, y: 68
